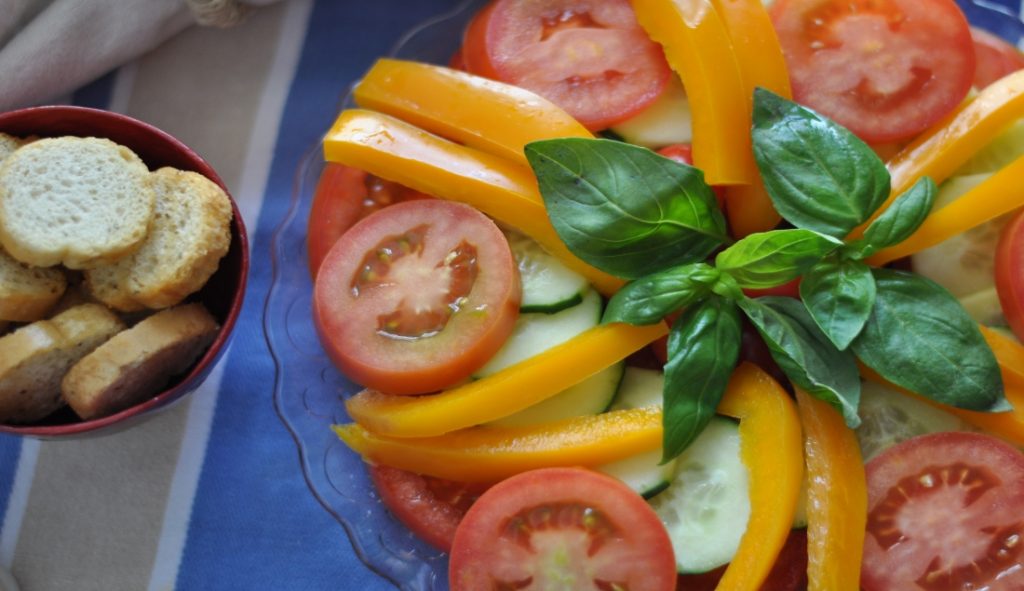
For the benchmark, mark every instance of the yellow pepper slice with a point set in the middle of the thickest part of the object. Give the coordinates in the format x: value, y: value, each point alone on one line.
x: 750, y: 209
x: 757, y: 48
x: 938, y: 152
x: 837, y: 498
x: 1008, y: 352
x: 997, y: 195
x: 491, y: 116
x: 397, y: 151
x: 771, y: 446
x: 698, y: 47
x: 489, y: 454
x: 505, y: 392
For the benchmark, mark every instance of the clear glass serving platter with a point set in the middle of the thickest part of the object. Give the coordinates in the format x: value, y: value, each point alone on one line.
x: 309, y: 391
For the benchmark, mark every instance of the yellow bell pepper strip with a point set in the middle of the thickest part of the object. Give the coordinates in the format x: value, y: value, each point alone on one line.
x: 997, y: 195
x: 938, y: 152
x: 397, y: 151
x: 699, y: 49
x: 491, y: 116
x: 1008, y: 352
x: 505, y: 392
x: 771, y: 446
x: 837, y: 497
x: 750, y: 209
x: 757, y: 48
x: 489, y: 454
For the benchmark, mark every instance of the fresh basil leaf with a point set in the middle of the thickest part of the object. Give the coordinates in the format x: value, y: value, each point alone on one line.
x: 839, y: 295
x: 625, y: 209
x: 805, y: 354
x: 703, y: 347
x: 819, y: 175
x: 767, y: 259
x: 919, y: 337
x: 900, y: 220
x: 649, y: 299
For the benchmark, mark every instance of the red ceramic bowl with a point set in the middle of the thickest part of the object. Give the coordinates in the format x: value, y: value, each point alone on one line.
x: 222, y: 295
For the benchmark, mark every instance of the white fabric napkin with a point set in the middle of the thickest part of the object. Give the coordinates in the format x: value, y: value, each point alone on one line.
x: 50, y: 47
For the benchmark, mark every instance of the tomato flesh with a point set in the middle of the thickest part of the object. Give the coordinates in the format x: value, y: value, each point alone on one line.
x: 945, y: 512
x: 561, y: 528
x: 590, y: 57
x: 884, y: 69
x: 1009, y: 273
x: 789, y: 573
x: 995, y: 58
x: 414, y: 298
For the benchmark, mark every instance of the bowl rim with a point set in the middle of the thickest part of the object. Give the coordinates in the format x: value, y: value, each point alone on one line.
x: 130, y: 415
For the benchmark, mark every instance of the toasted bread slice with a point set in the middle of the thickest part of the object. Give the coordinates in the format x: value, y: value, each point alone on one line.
x: 137, y: 363
x: 35, y: 357
x: 190, y: 233
x: 77, y: 201
x: 8, y: 144
x: 28, y: 293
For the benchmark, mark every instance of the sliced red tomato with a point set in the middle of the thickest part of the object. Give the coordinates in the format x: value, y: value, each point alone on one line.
x: 589, y: 57
x: 684, y: 153
x: 788, y: 574
x: 790, y: 289
x: 430, y: 507
x: 945, y: 512
x: 415, y: 297
x: 884, y: 69
x: 995, y: 58
x: 345, y: 195
x: 561, y: 528
x: 1009, y: 272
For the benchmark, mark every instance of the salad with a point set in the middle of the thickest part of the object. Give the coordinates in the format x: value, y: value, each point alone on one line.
x: 525, y: 326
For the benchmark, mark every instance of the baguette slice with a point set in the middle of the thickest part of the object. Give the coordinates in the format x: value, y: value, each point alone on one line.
x: 34, y: 359
x: 137, y: 363
x: 28, y: 293
x: 189, y: 235
x: 8, y: 144
x: 77, y: 201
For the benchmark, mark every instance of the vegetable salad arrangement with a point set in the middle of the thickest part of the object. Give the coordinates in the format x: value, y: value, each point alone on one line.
x: 636, y: 288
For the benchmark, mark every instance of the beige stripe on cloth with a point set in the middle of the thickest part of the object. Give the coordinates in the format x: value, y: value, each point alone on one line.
x: 96, y: 506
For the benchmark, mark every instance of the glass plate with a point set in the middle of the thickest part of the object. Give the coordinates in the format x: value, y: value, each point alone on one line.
x: 309, y: 391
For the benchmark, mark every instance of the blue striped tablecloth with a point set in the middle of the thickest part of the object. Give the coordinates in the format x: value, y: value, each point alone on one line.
x: 209, y: 495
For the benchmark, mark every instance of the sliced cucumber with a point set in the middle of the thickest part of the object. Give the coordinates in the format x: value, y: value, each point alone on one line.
x: 643, y: 473
x: 535, y: 333
x: 889, y: 417
x: 666, y: 121
x: 1007, y: 147
x: 984, y: 307
x: 548, y: 285
x: 589, y: 397
x: 640, y: 387
x: 706, y: 508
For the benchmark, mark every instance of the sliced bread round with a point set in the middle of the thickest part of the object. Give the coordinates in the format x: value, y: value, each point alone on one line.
x: 77, y: 201
x: 137, y: 363
x: 35, y: 358
x: 189, y: 235
x: 27, y: 293
x: 8, y: 144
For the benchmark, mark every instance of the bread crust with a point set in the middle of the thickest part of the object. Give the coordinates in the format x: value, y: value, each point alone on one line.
x: 137, y: 363
x: 28, y: 293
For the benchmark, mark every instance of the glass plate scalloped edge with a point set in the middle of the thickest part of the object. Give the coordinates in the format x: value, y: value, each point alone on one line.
x: 308, y: 390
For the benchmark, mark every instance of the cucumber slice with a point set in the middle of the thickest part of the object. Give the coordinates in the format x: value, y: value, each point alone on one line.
x: 548, y: 285
x: 535, y: 333
x: 888, y: 418
x: 1006, y: 148
x: 643, y: 473
x: 706, y: 508
x: 640, y: 387
x: 589, y: 397
x: 666, y: 121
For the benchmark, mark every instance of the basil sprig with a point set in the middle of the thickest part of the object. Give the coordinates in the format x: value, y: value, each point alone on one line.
x: 637, y: 215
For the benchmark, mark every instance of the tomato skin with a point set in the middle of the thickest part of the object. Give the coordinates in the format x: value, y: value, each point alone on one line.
x: 456, y: 274
x: 884, y: 69
x: 519, y: 529
x: 944, y: 513
x: 431, y: 507
x: 343, y: 196
x: 788, y: 574
x: 995, y: 58
x: 1009, y: 273
x: 590, y: 57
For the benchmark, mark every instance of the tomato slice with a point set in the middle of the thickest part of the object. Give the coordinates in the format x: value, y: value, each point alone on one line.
x: 430, y: 507
x: 884, y: 69
x: 417, y: 296
x: 561, y: 528
x: 343, y: 196
x: 995, y: 58
x: 945, y: 512
x: 1009, y: 273
x: 788, y: 574
x: 589, y: 57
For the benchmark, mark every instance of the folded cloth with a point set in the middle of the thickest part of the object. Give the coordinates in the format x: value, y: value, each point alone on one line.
x: 50, y: 47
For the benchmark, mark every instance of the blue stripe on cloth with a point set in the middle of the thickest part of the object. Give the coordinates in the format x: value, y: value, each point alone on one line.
x: 10, y: 448
x: 255, y: 523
